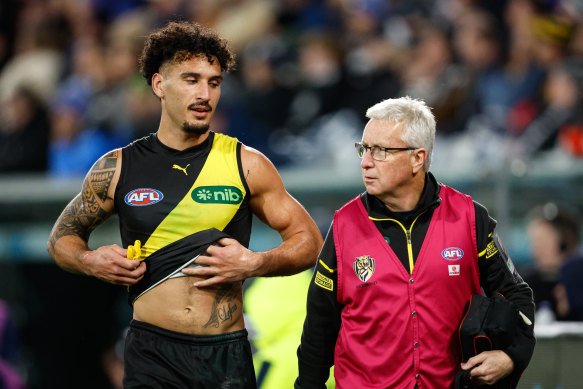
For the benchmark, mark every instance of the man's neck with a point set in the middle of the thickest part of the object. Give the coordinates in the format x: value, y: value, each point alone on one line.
x: 179, y: 139
x: 405, y: 198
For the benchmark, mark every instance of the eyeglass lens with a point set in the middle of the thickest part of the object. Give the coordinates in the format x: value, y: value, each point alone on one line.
x: 376, y: 152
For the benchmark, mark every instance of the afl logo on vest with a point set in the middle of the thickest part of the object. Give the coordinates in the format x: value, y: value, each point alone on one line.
x: 452, y: 253
x: 143, y: 196
x: 363, y: 267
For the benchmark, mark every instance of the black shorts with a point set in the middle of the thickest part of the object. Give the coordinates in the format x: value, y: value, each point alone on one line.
x: 159, y: 358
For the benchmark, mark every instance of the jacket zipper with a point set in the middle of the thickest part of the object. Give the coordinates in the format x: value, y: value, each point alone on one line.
x: 407, y: 234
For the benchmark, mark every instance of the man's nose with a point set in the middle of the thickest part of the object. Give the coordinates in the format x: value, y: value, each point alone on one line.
x: 367, y: 161
x: 203, y: 92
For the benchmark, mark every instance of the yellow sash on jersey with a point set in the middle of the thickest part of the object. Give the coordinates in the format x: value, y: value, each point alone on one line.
x: 211, y: 202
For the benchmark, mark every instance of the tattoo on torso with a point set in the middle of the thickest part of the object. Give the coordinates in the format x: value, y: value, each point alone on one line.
x: 223, y: 310
x: 88, y: 209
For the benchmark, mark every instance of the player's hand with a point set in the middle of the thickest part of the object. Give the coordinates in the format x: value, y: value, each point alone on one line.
x: 226, y: 263
x: 489, y: 367
x: 110, y: 264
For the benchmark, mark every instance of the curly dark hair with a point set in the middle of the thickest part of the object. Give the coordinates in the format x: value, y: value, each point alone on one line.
x: 180, y: 41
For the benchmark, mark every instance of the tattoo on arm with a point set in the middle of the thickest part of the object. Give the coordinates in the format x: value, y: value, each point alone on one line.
x: 88, y: 209
x: 222, y: 309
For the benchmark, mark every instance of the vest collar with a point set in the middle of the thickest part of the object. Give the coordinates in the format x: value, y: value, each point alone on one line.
x: 429, y: 199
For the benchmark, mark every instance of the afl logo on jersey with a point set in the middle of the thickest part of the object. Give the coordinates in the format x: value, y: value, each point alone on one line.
x: 143, y: 196
x: 452, y: 253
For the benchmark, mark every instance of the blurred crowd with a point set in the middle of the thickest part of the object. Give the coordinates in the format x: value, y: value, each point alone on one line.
x: 504, y: 77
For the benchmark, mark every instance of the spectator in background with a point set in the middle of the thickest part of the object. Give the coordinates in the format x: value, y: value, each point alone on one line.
x: 374, y: 37
x: 562, y: 102
x: 322, y: 78
x: 569, y: 293
x: 501, y: 70
x: 556, y: 275
x: 553, y: 35
x: 535, y: 122
x: 431, y: 75
x: 268, y: 91
x: 73, y: 150
x: 24, y: 133
x: 38, y: 61
x: 91, y: 114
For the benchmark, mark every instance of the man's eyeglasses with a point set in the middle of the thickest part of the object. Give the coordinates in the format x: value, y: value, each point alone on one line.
x: 379, y: 153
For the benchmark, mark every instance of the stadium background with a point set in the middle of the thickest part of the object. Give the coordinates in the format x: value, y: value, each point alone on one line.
x: 503, y: 76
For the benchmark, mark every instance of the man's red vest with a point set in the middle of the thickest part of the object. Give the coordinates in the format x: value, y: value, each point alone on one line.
x: 400, y: 329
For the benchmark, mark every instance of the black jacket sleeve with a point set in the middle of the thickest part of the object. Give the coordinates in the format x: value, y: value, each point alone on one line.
x: 498, y: 275
x: 316, y: 351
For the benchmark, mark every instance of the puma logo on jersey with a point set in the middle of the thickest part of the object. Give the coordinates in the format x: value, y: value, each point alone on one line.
x: 175, y: 166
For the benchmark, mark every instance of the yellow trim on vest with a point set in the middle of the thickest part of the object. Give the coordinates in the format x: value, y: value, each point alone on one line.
x: 407, y: 234
x: 219, y: 174
x: 326, y: 267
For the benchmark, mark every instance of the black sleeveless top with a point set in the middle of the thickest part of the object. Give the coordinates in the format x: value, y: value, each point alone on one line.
x: 176, y: 203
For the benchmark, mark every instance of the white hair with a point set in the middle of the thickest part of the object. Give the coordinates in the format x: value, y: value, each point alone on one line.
x: 418, y: 122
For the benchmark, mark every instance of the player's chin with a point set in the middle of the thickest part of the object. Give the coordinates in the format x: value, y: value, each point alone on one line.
x: 196, y: 128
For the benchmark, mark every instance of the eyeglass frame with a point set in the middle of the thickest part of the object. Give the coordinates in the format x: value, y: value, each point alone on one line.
x: 360, y: 147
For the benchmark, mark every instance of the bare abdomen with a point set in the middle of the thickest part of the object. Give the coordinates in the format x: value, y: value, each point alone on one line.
x: 179, y: 306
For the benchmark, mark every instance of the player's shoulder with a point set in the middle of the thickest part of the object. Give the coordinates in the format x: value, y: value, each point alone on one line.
x: 109, y: 160
x: 252, y: 158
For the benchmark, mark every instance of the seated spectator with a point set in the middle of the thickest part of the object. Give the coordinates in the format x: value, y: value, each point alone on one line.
x: 73, y: 149
x: 432, y: 76
x: 90, y: 113
x: 569, y: 293
x: 24, y: 133
x: 561, y: 107
x: 558, y: 265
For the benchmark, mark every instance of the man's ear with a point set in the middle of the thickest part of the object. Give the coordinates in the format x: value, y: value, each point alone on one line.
x: 157, y: 85
x: 418, y: 157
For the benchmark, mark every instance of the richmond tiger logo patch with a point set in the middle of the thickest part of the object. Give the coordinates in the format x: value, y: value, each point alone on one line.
x: 364, y: 267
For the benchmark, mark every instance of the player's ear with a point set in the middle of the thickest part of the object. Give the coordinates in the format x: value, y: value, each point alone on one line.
x: 158, y: 85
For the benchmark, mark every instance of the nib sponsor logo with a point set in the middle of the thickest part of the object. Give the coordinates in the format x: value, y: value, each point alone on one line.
x: 217, y: 195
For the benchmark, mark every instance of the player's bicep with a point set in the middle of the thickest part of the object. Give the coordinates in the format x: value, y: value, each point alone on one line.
x: 94, y: 204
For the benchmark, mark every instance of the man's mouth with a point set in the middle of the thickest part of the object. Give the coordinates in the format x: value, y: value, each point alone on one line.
x: 200, y: 108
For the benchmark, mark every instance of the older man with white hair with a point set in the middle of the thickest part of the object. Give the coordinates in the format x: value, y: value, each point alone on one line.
x: 398, y: 268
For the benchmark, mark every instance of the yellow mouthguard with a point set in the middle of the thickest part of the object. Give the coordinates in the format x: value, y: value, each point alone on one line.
x: 135, y: 251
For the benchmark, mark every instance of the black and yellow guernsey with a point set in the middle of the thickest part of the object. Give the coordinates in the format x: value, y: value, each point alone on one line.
x: 177, y: 203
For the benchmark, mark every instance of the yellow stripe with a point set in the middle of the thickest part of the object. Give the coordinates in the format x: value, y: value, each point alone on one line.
x: 326, y: 267
x: 188, y: 217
